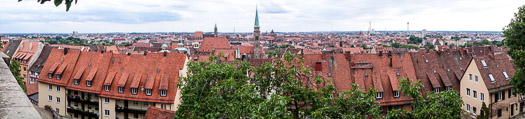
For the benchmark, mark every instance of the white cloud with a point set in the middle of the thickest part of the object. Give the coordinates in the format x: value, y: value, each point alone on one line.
x: 29, y: 16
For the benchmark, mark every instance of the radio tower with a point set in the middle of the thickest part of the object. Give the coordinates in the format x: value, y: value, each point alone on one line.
x: 408, y: 30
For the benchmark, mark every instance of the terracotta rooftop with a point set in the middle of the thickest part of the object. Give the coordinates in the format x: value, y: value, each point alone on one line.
x: 210, y: 43
x: 157, y: 113
x: 64, y: 58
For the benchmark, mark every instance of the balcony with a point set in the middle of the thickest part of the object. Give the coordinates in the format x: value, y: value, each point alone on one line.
x: 90, y: 112
x: 119, y: 108
x: 85, y: 100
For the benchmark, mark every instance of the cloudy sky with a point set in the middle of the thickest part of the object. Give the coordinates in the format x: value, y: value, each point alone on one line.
x: 99, y: 16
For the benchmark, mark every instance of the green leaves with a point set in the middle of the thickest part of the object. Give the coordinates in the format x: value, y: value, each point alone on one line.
x: 58, y: 2
x: 515, y: 41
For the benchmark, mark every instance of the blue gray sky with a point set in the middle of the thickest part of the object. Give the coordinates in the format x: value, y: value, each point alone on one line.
x: 99, y: 16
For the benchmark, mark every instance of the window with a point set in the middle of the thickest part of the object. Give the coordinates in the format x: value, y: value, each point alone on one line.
x: 379, y: 95
x: 163, y: 106
x: 58, y: 100
x: 499, y: 113
x: 476, y: 78
x: 106, y: 113
x: 145, y: 103
x: 436, y: 90
x: 50, y: 87
x: 163, y: 93
x: 50, y: 75
x: 57, y: 110
x: 120, y: 89
x: 484, y: 64
x: 50, y: 98
x: 134, y: 91
x: 449, y: 88
x: 135, y: 102
x: 510, y: 93
x: 470, y: 77
x: 492, y: 78
x: 499, y: 96
x: 76, y: 81
x: 396, y: 94
x: 468, y: 107
x: 136, y: 115
x: 88, y: 83
x: 482, y: 98
x: 58, y: 88
x: 106, y: 100
x: 474, y: 110
x: 106, y: 88
x: 25, y: 69
x: 59, y: 76
x: 506, y: 76
x: 475, y: 93
x: 148, y: 92
x: 468, y: 91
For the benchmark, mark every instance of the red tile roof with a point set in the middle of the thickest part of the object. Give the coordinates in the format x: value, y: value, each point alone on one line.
x: 59, y: 56
x: 210, y: 43
x: 136, y: 81
x: 157, y: 113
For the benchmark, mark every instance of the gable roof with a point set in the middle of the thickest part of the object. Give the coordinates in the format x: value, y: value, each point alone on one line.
x: 209, y: 43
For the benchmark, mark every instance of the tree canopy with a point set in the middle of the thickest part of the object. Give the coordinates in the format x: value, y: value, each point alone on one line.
x: 515, y: 41
x: 414, y: 40
x: 15, y: 70
x: 58, y: 2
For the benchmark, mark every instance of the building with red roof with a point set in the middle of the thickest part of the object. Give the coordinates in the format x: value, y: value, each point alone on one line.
x: 107, y: 85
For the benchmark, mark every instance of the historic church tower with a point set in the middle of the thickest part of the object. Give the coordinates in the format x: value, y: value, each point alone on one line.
x: 215, y: 33
x: 256, y: 34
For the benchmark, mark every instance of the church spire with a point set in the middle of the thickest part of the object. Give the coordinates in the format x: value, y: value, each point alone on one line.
x: 256, y: 17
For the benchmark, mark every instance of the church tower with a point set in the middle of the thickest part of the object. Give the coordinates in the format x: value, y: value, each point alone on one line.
x: 256, y: 34
x: 216, y: 34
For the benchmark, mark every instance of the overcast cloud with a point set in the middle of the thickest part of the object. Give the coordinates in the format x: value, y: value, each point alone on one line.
x: 98, y: 16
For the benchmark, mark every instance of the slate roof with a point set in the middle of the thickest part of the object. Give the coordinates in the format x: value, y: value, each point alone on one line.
x: 32, y: 88
x: 12, y: 47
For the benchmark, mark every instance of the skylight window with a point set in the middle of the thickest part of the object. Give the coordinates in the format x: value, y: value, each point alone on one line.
x: 492, y: 78
x: 506, y: 76
x: 484, y: 64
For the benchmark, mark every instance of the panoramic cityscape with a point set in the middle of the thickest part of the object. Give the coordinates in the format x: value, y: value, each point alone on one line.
x: 165, y: 59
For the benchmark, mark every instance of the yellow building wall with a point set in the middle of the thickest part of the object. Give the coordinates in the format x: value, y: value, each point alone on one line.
x: 43, y: 94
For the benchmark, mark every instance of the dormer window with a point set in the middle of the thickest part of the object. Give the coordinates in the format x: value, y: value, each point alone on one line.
x: 148, y: 92
x: 397, y: 73
x: 426, y: 60
x: 120, y: 89
x: 106, y: 88
x: 379, y: 95
x: 163, y: 93
x: 59, y: 76
x: 134, y: 91
x: 366, y: 74
x: 76, y: 81
x: 50, y: 75
x: 436, y: 90
x: 396, y: 94
x: 88, y: 83
x: 449, y: 88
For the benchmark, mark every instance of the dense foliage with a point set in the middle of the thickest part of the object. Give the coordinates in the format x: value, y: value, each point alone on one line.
x: 15, y: 70
x: 442, y: 105
x: 278, y: 89
x: 414, y: 40
x: 515, y: 41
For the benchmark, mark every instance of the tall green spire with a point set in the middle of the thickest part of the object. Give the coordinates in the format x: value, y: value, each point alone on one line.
x: 256, y: 18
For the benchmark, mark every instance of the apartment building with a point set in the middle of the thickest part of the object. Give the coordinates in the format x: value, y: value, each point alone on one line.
x: 26, y: 55
x: 486, y: 80
x: 108, y: 86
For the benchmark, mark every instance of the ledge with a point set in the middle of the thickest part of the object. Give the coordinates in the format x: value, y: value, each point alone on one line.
x: 14, y: 103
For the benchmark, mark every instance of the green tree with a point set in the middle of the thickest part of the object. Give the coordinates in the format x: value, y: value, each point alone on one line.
x: 58, y: 2
x: 484, y: 112
x: 278, y: 89
x: 429, y: 46
x: 396, y: 45
x: 485, y: 42
x: 515, y: 41
x: 442, y: 105
x: 414, y: 40
x: 341, y: 44
x: 15, y: 70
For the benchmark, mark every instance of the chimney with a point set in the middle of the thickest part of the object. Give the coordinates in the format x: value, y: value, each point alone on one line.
x: 65, y: 50
x: 145, y: 53
x: 129, y: 54
x: 165, y: 53
x: 380, y: 53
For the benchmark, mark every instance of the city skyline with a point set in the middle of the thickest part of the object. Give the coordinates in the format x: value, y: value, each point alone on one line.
x: 97, y: 16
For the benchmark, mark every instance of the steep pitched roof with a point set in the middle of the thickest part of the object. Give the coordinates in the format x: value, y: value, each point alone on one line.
x: 157, y: 113
x: 210, y: 43
x: 12, y: 47
x: 496, y: 65
x: 60, y: 57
